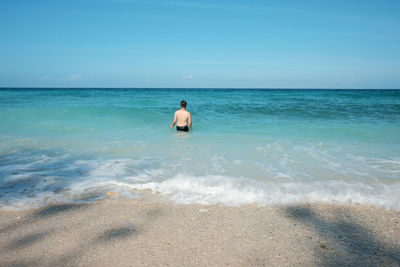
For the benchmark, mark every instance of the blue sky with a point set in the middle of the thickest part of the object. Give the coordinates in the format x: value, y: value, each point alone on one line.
x: 193, y: 43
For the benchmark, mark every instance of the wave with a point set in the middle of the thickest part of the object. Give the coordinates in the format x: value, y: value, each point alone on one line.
x: 216, y: 189
x: 127, y: 176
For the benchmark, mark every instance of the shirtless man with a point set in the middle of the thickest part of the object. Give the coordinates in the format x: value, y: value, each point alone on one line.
x: 182, y: 118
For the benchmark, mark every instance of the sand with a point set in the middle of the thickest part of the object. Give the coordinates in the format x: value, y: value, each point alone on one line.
x: 148, y: 232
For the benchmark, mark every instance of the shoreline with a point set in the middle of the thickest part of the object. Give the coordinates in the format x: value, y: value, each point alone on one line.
x: 147, y: 232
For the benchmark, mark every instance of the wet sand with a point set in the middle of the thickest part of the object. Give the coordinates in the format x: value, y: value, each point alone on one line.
x: 147, y: 232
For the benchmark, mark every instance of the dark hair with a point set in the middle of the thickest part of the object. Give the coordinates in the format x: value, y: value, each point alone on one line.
x: 183, y: 104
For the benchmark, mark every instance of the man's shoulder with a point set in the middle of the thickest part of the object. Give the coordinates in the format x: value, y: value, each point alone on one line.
x: 182, y: 111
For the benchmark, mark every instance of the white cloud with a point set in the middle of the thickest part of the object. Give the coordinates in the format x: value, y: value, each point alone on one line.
x: 73, y: 77
x: 44, y: 78
x: 189, y: 76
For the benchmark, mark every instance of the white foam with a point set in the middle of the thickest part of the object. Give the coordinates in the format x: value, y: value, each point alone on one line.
x: 185, y: 189
x: 123, y: 175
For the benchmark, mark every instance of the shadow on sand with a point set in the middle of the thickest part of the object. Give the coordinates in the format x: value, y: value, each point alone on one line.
x: 43, y: 213
x: 347, y: 243
x: 117, y: 233
x: 109, y: 237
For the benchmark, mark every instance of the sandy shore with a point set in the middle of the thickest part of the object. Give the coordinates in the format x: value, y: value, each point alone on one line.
x: 145, y: 232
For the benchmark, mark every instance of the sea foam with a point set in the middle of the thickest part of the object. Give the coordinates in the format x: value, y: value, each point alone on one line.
x: 98, y: 177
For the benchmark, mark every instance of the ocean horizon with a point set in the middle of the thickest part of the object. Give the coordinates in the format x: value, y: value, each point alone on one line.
x: 262, y: 146
x: 192, y: 88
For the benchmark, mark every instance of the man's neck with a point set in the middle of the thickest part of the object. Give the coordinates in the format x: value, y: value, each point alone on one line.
x: 183, y: 109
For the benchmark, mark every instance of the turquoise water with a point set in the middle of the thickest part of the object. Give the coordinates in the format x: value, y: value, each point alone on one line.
x: 246, y: 146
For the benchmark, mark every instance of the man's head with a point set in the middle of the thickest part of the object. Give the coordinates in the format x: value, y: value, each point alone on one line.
x: 183, y: 104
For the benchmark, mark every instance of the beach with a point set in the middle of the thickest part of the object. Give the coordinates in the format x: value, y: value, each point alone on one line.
x: 96, y: 177
x: 153, y: 232
x: 199, y: 133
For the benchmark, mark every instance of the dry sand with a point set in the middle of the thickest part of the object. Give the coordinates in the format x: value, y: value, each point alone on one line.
x: 147, y: 232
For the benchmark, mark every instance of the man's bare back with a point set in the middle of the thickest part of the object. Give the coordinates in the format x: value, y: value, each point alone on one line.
x: 182, y: 118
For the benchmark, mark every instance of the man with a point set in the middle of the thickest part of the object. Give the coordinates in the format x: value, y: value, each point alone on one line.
x: 182, y: 118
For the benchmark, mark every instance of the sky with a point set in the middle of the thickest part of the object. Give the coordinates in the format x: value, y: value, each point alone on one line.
x: 200, y: 44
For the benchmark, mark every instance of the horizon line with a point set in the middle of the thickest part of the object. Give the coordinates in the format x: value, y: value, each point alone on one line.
x: 208, y: 88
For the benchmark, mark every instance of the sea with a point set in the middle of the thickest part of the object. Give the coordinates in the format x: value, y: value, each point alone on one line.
x: 246, y: 146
